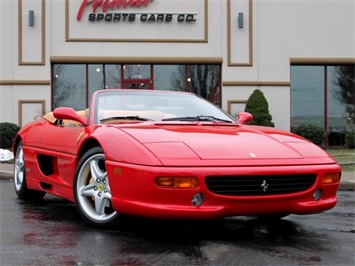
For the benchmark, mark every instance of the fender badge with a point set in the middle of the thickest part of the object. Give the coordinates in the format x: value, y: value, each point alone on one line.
x: 252, y: 154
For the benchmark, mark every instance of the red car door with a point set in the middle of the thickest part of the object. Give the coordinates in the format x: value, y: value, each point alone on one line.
x: 60, y: 138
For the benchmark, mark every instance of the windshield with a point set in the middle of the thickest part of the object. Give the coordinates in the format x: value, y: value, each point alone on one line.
x: 155, y: 105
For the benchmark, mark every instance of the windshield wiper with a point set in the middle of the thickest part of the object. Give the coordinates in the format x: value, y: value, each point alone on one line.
x: 197, y: 118
x: 132, y: 117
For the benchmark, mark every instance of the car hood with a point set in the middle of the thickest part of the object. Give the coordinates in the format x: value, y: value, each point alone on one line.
x: 198, y: 141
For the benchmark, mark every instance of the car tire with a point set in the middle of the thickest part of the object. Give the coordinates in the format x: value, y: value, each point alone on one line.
x: 92, y: 191
x: 20, y: 182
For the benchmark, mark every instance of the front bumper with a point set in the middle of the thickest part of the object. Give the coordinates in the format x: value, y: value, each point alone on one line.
x: 135, y: 193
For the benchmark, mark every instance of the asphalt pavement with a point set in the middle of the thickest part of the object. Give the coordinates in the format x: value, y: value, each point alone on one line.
x: 347, y: 181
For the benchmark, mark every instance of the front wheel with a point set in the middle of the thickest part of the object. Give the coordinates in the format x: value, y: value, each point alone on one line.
x: 92, y: 190
x: 20, y: 178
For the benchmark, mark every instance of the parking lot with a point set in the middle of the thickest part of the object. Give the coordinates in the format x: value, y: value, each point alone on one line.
x: 51, y: 232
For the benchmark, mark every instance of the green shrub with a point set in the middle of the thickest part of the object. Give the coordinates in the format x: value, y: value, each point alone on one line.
x: 258, y: 106
x: 350, y: 139
x: 8, y: 132
x: 313, y: 133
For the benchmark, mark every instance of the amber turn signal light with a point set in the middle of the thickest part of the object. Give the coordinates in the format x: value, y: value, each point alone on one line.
x: 330, y: 178
x: 176, y: 182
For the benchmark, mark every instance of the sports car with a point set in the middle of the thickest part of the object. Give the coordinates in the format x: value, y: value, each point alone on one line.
x: 173, y: 155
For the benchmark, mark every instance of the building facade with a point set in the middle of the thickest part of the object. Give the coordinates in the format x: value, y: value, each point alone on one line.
x: 300, y: 54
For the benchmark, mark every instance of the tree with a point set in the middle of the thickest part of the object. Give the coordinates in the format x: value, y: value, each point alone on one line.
x: 178, y: 79
x: 344, y: 91
x: 8, y: 132
x: 63, y: 89
x: 258, y: 106
x: 203, y: 80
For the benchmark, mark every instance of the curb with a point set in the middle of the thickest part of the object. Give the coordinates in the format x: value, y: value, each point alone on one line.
x: 347, y: 186
x: 6, y: 176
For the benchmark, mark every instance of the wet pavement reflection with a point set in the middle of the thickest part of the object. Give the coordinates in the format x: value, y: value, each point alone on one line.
x: 51, y: 232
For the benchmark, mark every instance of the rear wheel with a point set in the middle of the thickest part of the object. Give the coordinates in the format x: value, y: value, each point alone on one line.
x: 92, y: 190
x: 20, y: 178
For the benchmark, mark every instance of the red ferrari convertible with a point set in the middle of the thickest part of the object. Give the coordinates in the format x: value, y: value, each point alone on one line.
x: 169, y: 155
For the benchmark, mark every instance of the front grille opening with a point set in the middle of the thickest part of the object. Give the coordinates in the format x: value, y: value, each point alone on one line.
x: 259, y: 185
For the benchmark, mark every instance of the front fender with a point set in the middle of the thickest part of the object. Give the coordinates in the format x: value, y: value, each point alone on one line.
x: 121, y: 147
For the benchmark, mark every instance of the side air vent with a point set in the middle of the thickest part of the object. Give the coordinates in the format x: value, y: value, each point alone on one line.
x: 45, y: 163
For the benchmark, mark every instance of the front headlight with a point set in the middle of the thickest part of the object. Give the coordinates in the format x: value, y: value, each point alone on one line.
x: 176, y: 182
x: 331, y: 178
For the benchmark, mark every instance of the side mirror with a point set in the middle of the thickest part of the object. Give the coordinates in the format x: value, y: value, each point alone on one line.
x: 67, y: 113
x: 244, y: 117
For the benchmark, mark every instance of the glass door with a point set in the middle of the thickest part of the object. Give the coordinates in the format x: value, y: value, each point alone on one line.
x: 137, y: 77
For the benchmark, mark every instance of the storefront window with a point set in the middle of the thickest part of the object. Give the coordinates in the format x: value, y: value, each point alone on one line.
x: 69, y: 86
x: 324, y: 96
x: 341, y: 105
x: 96, y: 78
x: 73, y: 84
x: 104, y: 76
x: 113, y: 76
x: 307, y: 95
x: 170, y: 77
x: 136, y: 71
